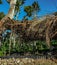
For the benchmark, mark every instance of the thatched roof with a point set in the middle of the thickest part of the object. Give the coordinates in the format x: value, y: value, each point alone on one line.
x: 43, y: 29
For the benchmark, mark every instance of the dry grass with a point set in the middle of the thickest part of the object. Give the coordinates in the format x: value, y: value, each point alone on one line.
x: 26, y: 61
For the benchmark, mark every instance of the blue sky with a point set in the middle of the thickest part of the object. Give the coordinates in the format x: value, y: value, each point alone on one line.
x: 46, y: 6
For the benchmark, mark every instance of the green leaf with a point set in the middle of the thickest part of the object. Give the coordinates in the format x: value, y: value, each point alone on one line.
x: 0, y: 1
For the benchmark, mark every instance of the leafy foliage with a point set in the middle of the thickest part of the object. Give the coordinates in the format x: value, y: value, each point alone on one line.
x: 1, y: 15
x: 28, y: 10
x: 54, y: 42
x: 0, y: 1
x: 17, y: 6
x: 55, y: 13
x: 31, y: 47
x: 36, y: 6
x: 31, y: 9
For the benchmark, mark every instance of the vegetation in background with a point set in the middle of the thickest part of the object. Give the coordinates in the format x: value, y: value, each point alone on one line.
x: 32, y: 10
x: 55, y: 13
x: 30, y: 47
x: 1, y: 15
x: 0, y: 1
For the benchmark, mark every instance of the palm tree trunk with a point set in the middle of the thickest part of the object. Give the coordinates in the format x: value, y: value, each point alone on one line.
x: 11, y: 10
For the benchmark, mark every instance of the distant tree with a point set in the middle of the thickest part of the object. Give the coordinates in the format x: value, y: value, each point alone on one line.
x: 1, y: 15
x: 30, y: 10
x: 55, y: 13
x: 36, y: 8
x: 0, y: 1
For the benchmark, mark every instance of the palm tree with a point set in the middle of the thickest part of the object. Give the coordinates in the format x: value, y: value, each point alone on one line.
x: 36, y: 8
x: 14, y: 8
x: 32, y: 9
x: 28, y: 10
x: 11, y: 10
